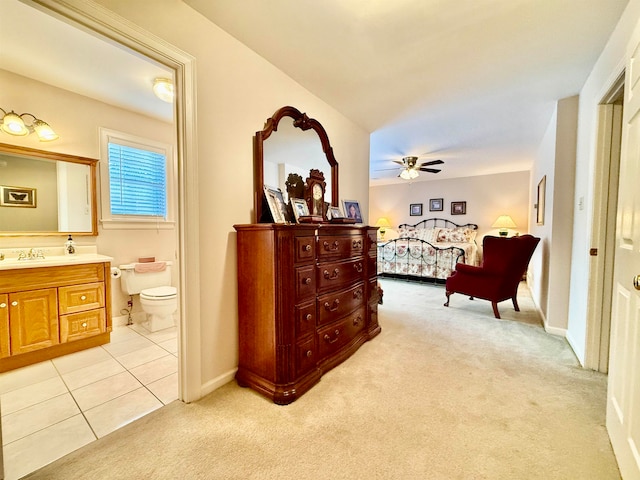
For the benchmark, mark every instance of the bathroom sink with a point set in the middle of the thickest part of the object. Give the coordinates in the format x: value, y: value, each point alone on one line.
x: 52, y: 261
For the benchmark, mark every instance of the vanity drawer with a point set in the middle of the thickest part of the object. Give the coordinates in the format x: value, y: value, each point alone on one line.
x: 43, y: 277
x: 336, y: 275
x: 79, y: 298
x: 334, y: 305
x: 340, y: 246
x: 76, y: 326
x: 305, y: 249
x: 335, y: 336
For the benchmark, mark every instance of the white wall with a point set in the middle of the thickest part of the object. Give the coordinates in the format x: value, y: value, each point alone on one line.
x: 77, y: 119
x: 236, y: 92
x: 550, y: 265
x: 609, y: 66
x: 487, y: 197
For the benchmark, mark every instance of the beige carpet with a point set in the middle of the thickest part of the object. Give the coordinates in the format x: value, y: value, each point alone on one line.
x: 441, y: 393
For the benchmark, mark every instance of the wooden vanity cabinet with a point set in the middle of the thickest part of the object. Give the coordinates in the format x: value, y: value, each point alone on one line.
x: 46, y: 312
x: 305, y: 303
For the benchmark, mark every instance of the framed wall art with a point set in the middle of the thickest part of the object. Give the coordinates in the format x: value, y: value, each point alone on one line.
x: 542, y: 186
x: 458, y: 208
x: 17, y: 197
x: 415, y: 209
x: 436, y: 204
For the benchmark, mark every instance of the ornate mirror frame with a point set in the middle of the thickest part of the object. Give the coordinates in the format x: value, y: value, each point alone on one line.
x: 303, y: 122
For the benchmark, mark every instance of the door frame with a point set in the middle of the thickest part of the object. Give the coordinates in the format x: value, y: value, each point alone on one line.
x: 603, y: 226
x: 97, y: 18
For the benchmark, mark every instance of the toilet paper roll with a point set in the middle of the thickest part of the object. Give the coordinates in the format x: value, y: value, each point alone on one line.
x: 115, y: 272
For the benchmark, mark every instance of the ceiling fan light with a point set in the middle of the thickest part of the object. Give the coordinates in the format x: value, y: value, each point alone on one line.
x: 44, y: 131
x: 413, y: 174
x: 14, y: 125
x: 405, y: 174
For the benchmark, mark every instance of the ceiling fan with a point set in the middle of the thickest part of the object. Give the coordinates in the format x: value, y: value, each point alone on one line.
x: 411, y: 167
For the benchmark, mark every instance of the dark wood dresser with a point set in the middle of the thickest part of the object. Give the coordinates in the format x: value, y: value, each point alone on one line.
x: 307, y: 300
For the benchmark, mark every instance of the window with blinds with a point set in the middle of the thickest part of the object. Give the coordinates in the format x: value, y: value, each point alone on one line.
x: 137, y: 181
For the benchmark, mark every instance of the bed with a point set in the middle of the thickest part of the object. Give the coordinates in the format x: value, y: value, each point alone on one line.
x: 428, y: 250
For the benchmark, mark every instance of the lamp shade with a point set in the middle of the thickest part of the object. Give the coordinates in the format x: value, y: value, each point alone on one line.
x: 504, y: 221
x: 383, y: 222
x: 13, y: 124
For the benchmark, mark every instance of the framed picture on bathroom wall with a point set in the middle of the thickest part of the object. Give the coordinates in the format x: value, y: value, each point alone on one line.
x: 17, y: 196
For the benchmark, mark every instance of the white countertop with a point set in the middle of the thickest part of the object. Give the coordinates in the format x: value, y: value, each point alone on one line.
x: 53, y: 257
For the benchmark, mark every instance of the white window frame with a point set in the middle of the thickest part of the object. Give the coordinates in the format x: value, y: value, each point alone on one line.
x: 111, y: 221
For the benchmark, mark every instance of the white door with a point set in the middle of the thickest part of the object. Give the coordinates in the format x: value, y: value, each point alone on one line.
x: 623, y: 394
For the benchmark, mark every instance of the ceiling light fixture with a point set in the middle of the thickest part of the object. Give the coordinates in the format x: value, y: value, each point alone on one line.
x: 163, y: 88
x: 14, y: 124
x: 409, y: 174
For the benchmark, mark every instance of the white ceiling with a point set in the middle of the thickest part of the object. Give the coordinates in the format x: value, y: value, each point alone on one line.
x: 471, y: 82
x: 36, y: 45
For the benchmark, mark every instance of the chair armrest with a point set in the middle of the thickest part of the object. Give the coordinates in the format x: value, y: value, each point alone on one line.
x: 470, y: 269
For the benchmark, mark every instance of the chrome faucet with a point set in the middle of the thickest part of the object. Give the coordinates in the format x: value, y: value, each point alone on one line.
x: 22, y: 255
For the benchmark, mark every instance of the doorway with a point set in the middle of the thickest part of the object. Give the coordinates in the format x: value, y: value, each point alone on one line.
x: 607, y: 173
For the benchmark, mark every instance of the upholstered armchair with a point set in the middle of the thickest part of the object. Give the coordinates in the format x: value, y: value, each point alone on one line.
x: 505, y: 261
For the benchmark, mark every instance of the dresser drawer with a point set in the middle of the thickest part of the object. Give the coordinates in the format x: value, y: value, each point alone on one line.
x: 337, y: 275
x: 76, y: 326
x: 79, y: 298
x: 335, y: 336
x: 305, y: 249
x: 305, y: 319
x: 340, y: 246
x: 305, y: 282
x: 305, y: 356
x: 335, y: 305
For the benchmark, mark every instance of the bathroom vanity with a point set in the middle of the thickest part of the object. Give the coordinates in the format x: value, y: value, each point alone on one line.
x: 53, y: 306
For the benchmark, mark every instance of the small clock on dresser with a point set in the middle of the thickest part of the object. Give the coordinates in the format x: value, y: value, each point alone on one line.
x: 314, y: 193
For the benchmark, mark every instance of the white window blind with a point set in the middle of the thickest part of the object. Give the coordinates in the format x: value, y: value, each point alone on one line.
x: 137, y: 181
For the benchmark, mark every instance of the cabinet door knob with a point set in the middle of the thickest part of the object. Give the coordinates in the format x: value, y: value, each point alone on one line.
x: 83, y: 297
x: 309, y: 353
x: 309, y: 317
x: 84, y: 324
x: 14, y: 304
x: 307, y: 248
x: 307, y: 281
x: 3, y: 305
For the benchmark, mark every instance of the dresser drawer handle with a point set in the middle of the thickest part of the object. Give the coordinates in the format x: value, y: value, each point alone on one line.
x: 357, y: 244
x: 14, y: 304
x: 307, y: 248
x: 309, y: 353
x: 357, y: 321
x: 83, y: 297
x: 307, y: 281
x: 308, y: 317
x: 332, y: 246
x: 331, y: 276
x: 327, y: 338
x: 333, y: 307
x: 357, y: 293
x: 3, y: 305
x: 358, y: 267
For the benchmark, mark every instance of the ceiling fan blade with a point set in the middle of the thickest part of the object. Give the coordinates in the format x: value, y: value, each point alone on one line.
x: 430, y: 170
x: 399, y: 162
x: 432, y: 162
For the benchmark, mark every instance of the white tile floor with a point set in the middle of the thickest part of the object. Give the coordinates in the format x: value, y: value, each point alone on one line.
x: 55, y: 407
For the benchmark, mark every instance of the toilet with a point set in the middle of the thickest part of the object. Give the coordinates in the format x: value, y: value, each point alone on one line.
x: 158, y: 298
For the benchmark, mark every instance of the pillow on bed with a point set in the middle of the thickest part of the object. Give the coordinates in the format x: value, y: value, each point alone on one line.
x: 426, y: 234
x: 456, y: 235
x: 405, y: 232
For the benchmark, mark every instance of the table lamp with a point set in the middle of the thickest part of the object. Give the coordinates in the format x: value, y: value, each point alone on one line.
x: 383, y: 223
x: 504, y: 223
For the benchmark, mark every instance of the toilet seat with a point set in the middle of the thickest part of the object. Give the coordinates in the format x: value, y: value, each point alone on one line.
x: 159, y: 293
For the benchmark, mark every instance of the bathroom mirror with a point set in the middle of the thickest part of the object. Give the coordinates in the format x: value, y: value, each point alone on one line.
x: 298, y: 144
x: 46, y: 193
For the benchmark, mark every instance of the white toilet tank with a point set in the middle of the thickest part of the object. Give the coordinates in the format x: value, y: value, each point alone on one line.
x: 133, y: 282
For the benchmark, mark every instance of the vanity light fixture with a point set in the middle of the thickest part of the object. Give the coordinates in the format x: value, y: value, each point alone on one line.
x: 163, y: 88
x: 14, y: 124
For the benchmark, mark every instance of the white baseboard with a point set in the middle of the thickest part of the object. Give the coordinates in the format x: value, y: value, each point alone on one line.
x: 560, y: 332
x: 218, y: 382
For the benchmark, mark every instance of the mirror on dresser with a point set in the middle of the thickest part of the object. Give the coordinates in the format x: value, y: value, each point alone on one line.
x: 297, y: 144
x: 46, y: 193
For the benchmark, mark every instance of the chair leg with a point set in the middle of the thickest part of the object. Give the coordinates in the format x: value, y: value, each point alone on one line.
x: 495, y: 309
x: 515, y: 304
x: 448, y: 294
